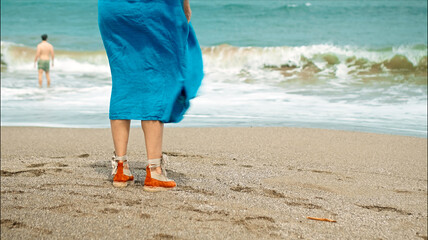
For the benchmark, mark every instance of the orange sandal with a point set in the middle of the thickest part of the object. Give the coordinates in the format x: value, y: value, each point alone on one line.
x: 156, y: 182
x: 121, y: 172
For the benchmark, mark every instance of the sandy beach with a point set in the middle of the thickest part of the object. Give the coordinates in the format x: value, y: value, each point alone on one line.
x: 233, y: 183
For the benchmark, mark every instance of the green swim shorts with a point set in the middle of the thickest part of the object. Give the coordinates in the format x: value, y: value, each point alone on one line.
x: 43, y: 64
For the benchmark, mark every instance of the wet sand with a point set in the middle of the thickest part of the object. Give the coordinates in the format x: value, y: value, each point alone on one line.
x: 233, y: 183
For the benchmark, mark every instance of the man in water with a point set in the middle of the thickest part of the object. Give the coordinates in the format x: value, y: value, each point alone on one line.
x: 44, y: 53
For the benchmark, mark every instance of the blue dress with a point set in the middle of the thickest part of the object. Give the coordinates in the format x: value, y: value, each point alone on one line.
x: 154, y: 56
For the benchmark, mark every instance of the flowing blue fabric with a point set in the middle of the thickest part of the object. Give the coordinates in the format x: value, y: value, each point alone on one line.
x: 155, y: 58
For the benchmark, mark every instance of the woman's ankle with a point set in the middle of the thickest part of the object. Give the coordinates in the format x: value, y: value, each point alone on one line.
x: 157, y: 170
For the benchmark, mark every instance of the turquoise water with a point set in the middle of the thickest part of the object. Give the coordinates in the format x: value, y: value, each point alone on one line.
x: 353, y: 65
x: 72, y: 24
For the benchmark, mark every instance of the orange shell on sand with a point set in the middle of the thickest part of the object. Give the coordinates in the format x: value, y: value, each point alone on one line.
x: 321, y: 219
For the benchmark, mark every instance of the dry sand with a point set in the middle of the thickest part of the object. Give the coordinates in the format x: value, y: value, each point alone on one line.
x: 233, y: 183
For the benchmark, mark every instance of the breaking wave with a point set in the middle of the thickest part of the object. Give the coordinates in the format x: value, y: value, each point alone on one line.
x: 251, y: 63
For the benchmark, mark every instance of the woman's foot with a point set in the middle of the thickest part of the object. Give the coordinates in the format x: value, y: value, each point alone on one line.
x: 156, y: 180
x: 121, y: 172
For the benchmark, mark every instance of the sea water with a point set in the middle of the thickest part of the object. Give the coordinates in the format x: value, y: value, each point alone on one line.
x: 350, y: 65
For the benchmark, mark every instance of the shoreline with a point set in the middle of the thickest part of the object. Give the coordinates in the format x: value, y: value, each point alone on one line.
x: 190, y: 126
x: 233, y: 183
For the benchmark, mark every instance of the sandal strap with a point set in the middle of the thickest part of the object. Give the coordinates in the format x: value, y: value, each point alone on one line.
x: 155, y: 162
x: 159, y: 162
x: 115, y: 159
x: 122, y: 158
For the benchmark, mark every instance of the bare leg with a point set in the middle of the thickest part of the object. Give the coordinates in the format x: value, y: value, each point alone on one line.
x: 40, y: 77
x: 153, y: 132
x: 120, y: 132
x: 48, y: 78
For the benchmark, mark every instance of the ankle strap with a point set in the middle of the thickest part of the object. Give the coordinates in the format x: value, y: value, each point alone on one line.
x: 159, y: 162
x: 155, y: 162
x: 122, y: 158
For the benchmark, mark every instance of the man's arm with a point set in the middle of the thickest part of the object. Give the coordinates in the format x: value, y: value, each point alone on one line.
x: 52, y: 55
x: 37, y: 55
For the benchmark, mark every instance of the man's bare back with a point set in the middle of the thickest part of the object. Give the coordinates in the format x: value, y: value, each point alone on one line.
x: 44, y: 53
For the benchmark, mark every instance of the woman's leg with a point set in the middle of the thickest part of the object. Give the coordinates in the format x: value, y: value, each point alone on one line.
x: 156, y: 177
x: 153, y: 132
x: 120, y: 132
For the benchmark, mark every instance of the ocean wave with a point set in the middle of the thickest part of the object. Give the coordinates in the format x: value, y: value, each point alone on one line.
x: 237, y: 6
x: 299, y: 62
x: 305, y: 62
x: 293, y: 5
x: 17, y: 57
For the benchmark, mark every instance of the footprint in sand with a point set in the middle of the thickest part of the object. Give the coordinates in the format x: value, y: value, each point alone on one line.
x: 36, y: 165
x: 259, y: 224
x: 163, y: 236
x: 61, y: 165
x: 109, y: 210
x: 195, y: 190
x: 11, y: 224
x: 8, y: 223
x: 246, y: 166
x: 33, y: 172
x: 383, y: 209
x: 177, y: 154
x: 219, y: 164
x: 242, y: 189
x: 304, y: 205
x: 272, y: 193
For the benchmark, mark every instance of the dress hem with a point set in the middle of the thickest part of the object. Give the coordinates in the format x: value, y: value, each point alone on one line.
x: 136, y: 117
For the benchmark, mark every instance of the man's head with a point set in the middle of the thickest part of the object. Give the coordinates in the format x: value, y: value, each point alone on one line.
x: 44, y: 37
